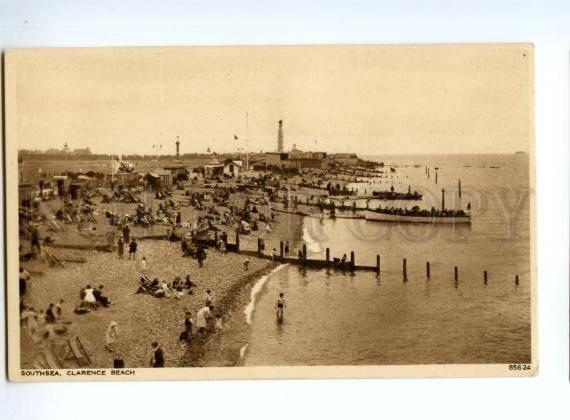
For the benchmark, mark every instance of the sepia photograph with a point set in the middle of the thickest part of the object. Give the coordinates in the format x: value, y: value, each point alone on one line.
x: 266, y: 212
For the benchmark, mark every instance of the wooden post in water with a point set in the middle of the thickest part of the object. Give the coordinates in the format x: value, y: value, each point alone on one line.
x: 216, y: 237
x: 281, y: 250
x: 328, y: 256
x: 307, y: 201
x: 456, y: 272
x: 259, y: 245
x: 352, y: 262
x: 354, y: 206
x: 405, y: 270
x: 377, y: 265
x: 237, y: 242
x: 517, y: 280
x: 459, y: 182
x: 304, y: 252
x: 485, y: 277
x: 442, y: 199
x: 428, y: 273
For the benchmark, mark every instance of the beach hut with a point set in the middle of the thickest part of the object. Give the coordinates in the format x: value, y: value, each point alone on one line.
x: 159, y: 179
x: 25, y: 195
x: 232, y: 168
x: 80, y: 185
x: 62, y: 183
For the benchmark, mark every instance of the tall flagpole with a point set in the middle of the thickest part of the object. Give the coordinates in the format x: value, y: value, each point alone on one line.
x: 246, y: 142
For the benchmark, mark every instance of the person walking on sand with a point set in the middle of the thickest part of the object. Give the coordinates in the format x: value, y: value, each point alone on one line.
x: 186, y: 335
x: 246, y: 265
x: 111, y: 336
x: 202, y: 318
x: 157, y: 358
x: 120, y: 248
x: 133, y: 249
x: 126, y: 233
x: 144, y: 265
x: 209, y: 300
x: 280, y: 307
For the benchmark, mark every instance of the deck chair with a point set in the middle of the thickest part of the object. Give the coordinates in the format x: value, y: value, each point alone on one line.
x: 75, y: 350
x: 46, y: 359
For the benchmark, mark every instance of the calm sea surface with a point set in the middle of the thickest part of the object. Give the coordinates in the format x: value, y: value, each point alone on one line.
x: 335, y: 318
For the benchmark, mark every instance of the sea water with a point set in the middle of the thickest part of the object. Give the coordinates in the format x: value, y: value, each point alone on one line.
x: 339, y: 318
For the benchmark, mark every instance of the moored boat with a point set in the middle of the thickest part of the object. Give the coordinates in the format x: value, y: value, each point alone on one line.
x: 417, y: 217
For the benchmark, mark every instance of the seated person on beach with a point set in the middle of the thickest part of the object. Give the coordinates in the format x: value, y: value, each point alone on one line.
x: 89, y: 297
x: 50, y: 314
x: 189, y: 284
x: 177, y: 284
x: 101, y: 300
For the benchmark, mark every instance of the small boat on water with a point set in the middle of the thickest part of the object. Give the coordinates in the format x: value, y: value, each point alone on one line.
x: 459, y: 217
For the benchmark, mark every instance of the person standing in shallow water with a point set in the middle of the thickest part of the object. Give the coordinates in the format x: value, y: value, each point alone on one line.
x: 280, y: 307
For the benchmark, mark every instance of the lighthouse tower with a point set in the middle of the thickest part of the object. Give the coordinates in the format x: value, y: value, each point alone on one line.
x: 280, y: 137
x: 177, y: 148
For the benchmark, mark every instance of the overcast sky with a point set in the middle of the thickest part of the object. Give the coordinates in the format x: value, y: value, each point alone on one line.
x: 364, y: 99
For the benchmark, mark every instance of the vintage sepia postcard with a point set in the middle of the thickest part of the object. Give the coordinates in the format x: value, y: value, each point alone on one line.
x: 256, y: 212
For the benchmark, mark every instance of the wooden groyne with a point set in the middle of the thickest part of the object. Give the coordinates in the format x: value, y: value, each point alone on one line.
x: 344, y: 264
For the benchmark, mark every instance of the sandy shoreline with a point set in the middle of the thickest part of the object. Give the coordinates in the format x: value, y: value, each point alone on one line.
x: 142, y: 318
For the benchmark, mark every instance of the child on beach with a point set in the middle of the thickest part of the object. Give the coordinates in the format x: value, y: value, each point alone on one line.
x: 208, y: 298
x: 218, y: 326
x: 280, y: 306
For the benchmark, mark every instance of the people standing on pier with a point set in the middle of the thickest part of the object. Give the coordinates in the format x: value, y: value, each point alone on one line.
x: 133, y: 249
x: 286, y: 248
x: 178, y: 218
x: 280, y: 307
x: 157, y: 358
x: 120, y: 248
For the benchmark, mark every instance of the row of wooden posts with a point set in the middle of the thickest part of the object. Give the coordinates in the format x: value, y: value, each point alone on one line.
x: 303, y: 260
